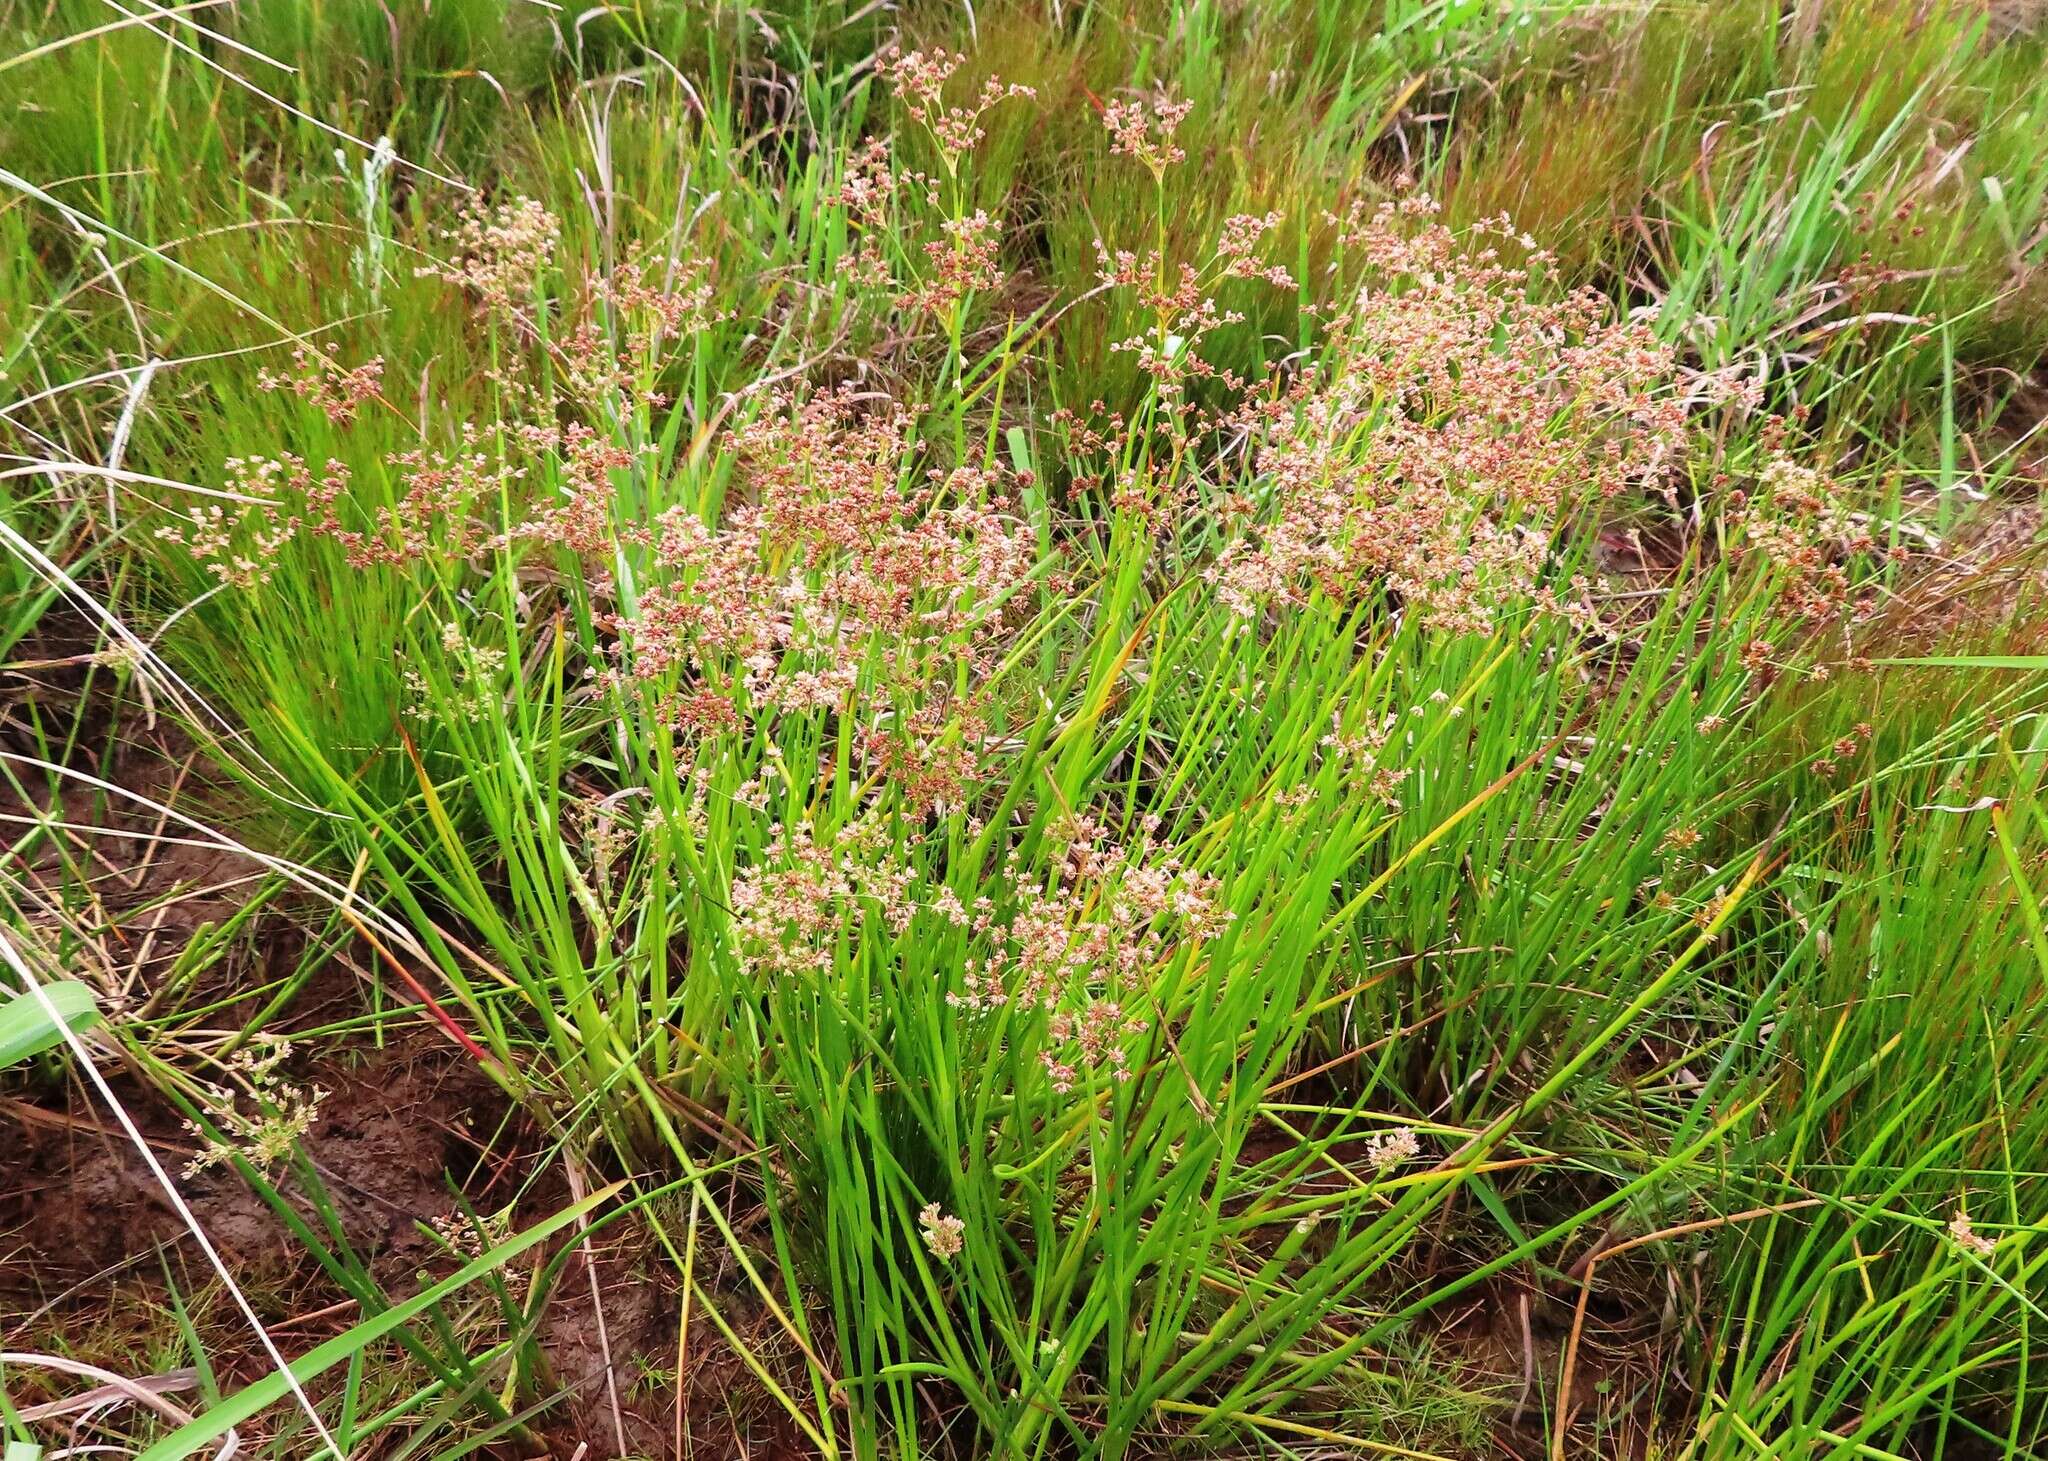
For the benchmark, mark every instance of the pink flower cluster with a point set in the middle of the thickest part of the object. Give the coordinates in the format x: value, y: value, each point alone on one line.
x: 1478, y: 407
x: 845, y: 581
x: 920, y: 77
x: 1082, y: 947
x: 1144, y: 130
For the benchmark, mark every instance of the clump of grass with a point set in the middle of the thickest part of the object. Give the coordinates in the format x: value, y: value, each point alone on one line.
x: 1109, y: 758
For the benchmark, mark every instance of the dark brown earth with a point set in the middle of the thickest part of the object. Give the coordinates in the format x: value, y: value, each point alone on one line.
x: 87, y: 1239
x: 78, y: 1198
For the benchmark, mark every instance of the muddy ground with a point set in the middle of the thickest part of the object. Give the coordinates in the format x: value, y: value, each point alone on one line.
x: 91, y: 1250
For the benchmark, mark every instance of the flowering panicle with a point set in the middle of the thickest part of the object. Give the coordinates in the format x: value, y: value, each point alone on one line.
x: 963, y: 261
x: 944, y: 1235
x: 678, y: 303
x: 238, y: 543
x: 476, y: 670
x: 868, y: 192
x: 1967, y: 1238
x: 1798, y: 526
x: 964, y: 258
x: 920, y: 80
x: 1078, y: 948
x: 1238, y: 249
x: 648, y: 305
x: 472, y: 1235
x: 807, y: 894
x: 1842, y: 748
x: 1386, y: 1150
x: 1360, y: 752
x: 442, y: 502
x: 1470, y: 418
x: 1178, y: 300
x: 606, y: 834
x: 433, y: 515
x: 1077, y: 951
x: 319, y: 378
x: 500, y: 254
x: 278, y: 1112
x: 580, y: 519
x: 1185, y: 314
x: 1144, y: 130
x: 843, y: 579
x: 931, y: 752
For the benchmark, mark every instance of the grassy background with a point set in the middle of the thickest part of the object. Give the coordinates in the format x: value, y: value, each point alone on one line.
x: 1667, y: 862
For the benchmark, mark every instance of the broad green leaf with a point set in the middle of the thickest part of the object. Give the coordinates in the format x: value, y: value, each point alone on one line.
x: 26, y: 1026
